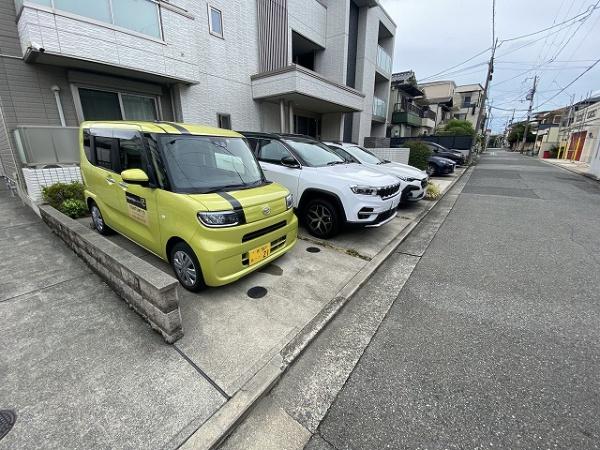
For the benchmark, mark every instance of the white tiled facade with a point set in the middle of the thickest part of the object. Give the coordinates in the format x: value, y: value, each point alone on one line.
x: 195, y: 75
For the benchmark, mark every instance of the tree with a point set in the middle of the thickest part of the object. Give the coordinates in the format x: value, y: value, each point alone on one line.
x: 419, y: 154
x: 516, y: 134
x: 456, y: 127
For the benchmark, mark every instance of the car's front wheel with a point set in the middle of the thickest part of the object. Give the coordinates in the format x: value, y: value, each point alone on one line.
x: 98, y: 221
x: 322, y: 218
x: 186, y: 267
x: 430, y: 169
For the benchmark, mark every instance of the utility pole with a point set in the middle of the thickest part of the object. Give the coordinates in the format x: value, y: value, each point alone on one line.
x: 568, y: 125
x: 531, y: 96
x: 488, y: 78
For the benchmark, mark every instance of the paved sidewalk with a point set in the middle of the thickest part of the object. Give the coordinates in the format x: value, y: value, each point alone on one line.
x: 80, y: 369
x: 582, y: 168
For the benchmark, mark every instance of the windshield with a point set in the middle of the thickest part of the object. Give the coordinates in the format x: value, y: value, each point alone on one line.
x: 363, y: 155
x: 314, y: 154
x: 201, y: 164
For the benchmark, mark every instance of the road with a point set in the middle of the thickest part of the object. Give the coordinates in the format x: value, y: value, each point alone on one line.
x: 482, y: 331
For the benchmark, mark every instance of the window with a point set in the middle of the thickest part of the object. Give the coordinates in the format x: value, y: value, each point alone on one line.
x: 141, y: 16
x: 591, y: 114
x: 131, y: 149
x: 215, y: 21
x: 467, y: 101
x: 272, y: 151
x: 556, y: 120
x: 87, y: 144
x: 224, y: 121
x: 103, y: 149
x: 107, y: 105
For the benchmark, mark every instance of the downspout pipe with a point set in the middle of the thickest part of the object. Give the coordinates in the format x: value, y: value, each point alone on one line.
x: 56, y: 90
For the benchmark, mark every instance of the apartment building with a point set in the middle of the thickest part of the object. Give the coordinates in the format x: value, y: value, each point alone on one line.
x: 581, y: 134
x: 407, y: 117
x: 317, y: 67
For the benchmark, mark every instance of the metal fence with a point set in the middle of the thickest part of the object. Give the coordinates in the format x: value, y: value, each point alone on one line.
x: 454, y: 142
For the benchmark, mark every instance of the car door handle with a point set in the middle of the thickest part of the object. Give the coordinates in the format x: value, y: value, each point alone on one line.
x: 123, y: 185
x: 110, y: 180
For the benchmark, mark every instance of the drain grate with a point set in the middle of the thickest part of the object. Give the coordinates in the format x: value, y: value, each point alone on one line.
x: 7, y: 420
x: 313, y: 249
x: 257, y: 292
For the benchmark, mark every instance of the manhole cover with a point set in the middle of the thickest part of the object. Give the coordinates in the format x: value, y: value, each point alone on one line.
x: 257, y: 292
x: 313, y: 249
x: 7, y: 420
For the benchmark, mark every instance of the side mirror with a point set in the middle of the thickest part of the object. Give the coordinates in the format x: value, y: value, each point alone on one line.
x: 135, y: 176
x: 290, y: 161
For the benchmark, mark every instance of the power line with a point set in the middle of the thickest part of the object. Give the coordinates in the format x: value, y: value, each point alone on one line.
x: 587, y: 11
x: 571, y: 83
x: 457, y: 65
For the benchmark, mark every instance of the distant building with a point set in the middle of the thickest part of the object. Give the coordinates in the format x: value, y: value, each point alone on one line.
x: 439, y: 98
x: 407, y: 118
x: 467, y: 102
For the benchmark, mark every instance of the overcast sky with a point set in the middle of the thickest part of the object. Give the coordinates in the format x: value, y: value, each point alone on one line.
x: 434, y: 35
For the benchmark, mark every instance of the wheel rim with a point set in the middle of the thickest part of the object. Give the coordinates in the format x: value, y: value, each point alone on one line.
x: 429, y: 170
x: 185, y: 268
x: 320, y: 219
x: 97, y: 218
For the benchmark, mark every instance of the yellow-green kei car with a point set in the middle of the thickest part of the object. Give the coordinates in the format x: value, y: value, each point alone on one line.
x: 193, y: 195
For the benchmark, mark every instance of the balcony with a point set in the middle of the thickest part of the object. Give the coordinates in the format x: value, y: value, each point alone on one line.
x: 151, y: 45
x: 407, y: 113
x: 384, y: 62
x: 379, y: 109
x: 307, y: 89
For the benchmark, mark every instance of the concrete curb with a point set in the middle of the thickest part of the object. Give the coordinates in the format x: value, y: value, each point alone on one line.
x: 214, y: 431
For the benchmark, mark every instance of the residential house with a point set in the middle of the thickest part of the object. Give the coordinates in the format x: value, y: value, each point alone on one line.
x: 546, y: 126
x: 582, y: 132
x: 406, y: 117
x: 317, y: 67
x: 439, y: 98
x: 468, y: 102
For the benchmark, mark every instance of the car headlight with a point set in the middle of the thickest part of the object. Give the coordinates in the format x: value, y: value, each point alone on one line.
x: 364, y: 190
x: 289, y: 201
x: 218, y: 219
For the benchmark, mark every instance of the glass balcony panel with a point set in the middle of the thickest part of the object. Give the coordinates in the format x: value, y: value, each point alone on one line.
x: 137, y: 15
x: 384, y: 61
x: 98, y: 9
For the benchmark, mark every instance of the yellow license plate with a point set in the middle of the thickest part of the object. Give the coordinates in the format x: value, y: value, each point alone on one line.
x: 258, y: 254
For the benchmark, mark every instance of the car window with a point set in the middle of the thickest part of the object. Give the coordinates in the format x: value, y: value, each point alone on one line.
x: 313, y: 153
x: 200, y: 164
x: 342, y: 153
x: 364, y: 155
x: 131, y: 150
x: 103, y: 151
x: 272, y: 151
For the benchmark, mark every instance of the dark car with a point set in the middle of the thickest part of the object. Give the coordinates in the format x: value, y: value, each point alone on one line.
x: 440, y: 150
x: 436, y: 165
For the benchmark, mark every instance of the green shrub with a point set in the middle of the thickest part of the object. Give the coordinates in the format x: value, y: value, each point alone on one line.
x: 433, y: 192
x: 74, y: 208
x: 419, y: 153
x: 56, y: 194
x: 456, y: 127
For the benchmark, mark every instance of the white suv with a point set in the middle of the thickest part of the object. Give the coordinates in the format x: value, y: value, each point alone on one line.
x: 328, y: 191
x: 415, y: 179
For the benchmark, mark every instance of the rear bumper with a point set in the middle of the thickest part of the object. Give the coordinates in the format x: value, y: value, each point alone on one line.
x: 225, y: 261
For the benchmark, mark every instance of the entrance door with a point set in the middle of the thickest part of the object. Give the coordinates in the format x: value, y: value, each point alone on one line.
x: 576, y: 145
x: 308, y: 126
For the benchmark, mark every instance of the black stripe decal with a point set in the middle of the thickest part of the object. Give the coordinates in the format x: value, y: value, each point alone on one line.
x: 178, y: 127
x: 235, y: 204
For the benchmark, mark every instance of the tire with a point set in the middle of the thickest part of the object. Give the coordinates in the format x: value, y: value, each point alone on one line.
x: 98, y: 221
x: 322, y: 218
x: 186, y: 267
x: 430, y: 169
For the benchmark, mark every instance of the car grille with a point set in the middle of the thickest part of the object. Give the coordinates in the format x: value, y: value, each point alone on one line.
x: 263, y: 231
x: 275, y: 245
x: 388, y: 191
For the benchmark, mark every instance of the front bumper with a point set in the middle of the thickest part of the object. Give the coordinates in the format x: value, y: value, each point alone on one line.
x: 224, y: 257
x: 368, y: 209
x: 414, y: 191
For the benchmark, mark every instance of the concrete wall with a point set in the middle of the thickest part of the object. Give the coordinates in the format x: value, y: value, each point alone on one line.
x: 310, y: 19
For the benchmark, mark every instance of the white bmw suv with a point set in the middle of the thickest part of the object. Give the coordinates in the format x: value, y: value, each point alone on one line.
x: 415, y: 179
x: 328, y: 191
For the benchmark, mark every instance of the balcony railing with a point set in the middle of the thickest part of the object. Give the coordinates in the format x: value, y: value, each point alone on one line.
x: 379, y: 107
x: 429, y: 114
x: 408, y: 107
x: 384, y: 60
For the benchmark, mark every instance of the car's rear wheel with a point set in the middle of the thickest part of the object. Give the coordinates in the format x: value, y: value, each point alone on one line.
x: 186, y: 267
x: 430, y: 169
x: 322, y: 218
x: 98, y: 221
